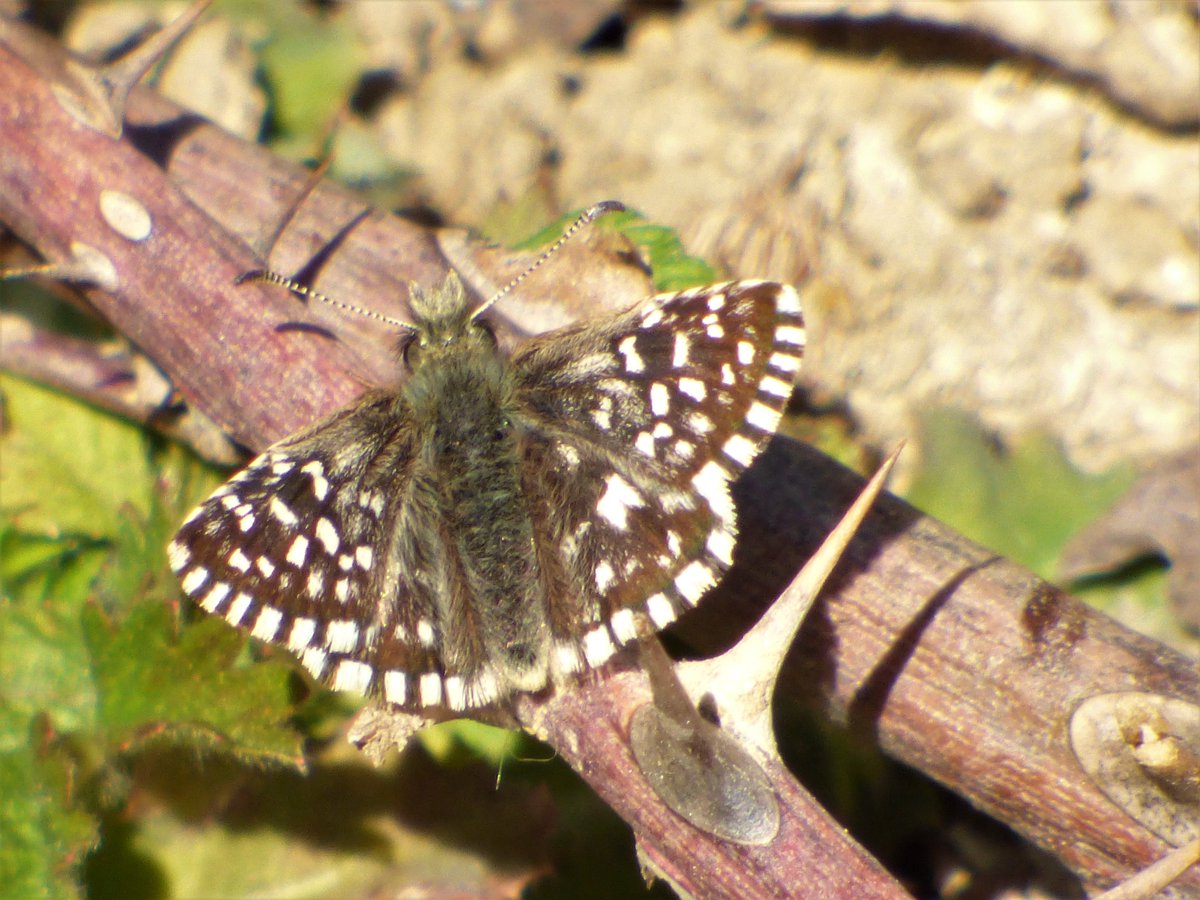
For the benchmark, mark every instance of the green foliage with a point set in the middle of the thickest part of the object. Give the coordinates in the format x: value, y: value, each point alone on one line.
x: 673, y: 268
x: 94, y: 665
x: 310, y: 64
x: 41, y: 836
x: 1022, y: 501
x: 463, y: 739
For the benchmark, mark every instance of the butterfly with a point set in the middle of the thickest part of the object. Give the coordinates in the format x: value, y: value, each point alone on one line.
x: 498, y: 523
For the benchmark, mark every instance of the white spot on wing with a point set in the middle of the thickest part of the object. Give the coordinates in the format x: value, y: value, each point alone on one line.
x: 320, y: 482
x: 788, y: 301
x: 280, y: 511
x: 680, y: 351
x: 790, y: 334
x: 660, y: 399
x: 604, y: 576
x: 712, y: 481
x: 598, y: 646
x: 484, y: 689
x: 425, y: 633
x: 327, y: 535
x: 352, y: 675
x: 341, y: 636
x: 644, y: 443
x: 685, y: 449
x: 788, y: 363
x: 298, y: 552
x: 266, y: 626
x: 566, y: 657
x: 762, y: 416
x: 634, y: 363
x: 215, y: 596
x: 314, y: 659
x: 194, y: 580
x: 316, y: 583
x: 661, y: 612
x: 395, y: 686
x: 776, y: 387
x: 365, y: 556
x: 265, y: 566
x: 239, y: 560
x: 623, y: 625
x: 740, y: 449
x: 431, y: 689
x: 673, y: 543
x: 720, y: 545
x: 699, y: 423
x: 178, y: 556
x: 237, y: 609
x: 619, y: 497
x: 694, y: 388
x: 652, y: 318
x: 302, y: 634
x: 456, y: 694
x: 694, y: 581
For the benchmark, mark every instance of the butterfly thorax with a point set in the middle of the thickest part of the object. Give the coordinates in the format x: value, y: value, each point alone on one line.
x: 465, y: 419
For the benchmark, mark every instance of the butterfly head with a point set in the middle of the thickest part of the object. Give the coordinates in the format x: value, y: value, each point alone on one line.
x: 445, y: 324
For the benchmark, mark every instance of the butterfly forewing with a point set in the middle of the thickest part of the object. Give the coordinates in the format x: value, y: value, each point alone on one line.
x: 346, y: 543
x: 638, y: 426
x: 292, y: 548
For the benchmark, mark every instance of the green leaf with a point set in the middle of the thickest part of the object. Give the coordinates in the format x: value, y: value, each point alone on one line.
x: 311, y: 66
x: 464, y: 740
x: 44, y: 665
x: 87, y: 505
x: 137, y: 566
x: 673, y: 268
x: 1024, y: 501
x: 154, y: 684
x: 41, y: 836
x: 68, y: 468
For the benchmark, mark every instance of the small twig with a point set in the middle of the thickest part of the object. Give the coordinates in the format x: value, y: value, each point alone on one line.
x: 1157, y: 877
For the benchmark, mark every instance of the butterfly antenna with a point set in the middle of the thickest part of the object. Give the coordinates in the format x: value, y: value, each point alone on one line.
x: 268, y: 277
x: 588, y: 215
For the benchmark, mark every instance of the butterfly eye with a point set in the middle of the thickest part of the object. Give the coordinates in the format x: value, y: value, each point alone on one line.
x: 486, y: 329
x: 410, y: 350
